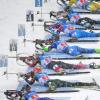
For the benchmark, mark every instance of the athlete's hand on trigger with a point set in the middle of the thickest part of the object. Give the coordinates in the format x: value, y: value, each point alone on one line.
x: 46, y: 48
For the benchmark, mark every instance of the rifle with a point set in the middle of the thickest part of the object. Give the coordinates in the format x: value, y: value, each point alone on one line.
x: 55, y: 38
x: 41, y: 42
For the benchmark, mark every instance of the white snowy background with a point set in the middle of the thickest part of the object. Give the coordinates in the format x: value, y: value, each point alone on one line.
x: 12, y: 13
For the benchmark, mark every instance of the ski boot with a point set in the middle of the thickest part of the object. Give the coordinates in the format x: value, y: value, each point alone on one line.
x: 56, y: 83
x: 97, y: 51
x: 94, y: 66
x: 52, y: 86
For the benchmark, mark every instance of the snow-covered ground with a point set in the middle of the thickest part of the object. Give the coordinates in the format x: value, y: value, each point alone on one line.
x: 12, y: 13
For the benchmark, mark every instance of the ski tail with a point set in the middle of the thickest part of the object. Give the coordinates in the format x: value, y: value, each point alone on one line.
x: 94, y: 86
x: 98, y: 86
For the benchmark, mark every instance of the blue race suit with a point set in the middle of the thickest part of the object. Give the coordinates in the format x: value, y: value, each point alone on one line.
x: 81, y: 34
x: 82, y: 4
x: 70, y: 31
x: 71, y: 50
x: 31, y: 96
x: 73, y: 17
x: 42, y: 78
x: 58, y: 27
x: 44, y: 61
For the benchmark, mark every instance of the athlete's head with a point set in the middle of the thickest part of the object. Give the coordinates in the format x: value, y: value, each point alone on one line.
x: 56, y: 37
x: 67, y: 9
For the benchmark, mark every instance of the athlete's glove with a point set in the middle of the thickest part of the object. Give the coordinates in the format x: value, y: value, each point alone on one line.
x: 46, y: 48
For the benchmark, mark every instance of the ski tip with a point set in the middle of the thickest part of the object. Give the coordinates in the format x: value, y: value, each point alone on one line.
x: 96, y: 83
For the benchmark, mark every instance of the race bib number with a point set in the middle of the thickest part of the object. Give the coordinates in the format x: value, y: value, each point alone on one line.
x: 71, y: 28
x: 80, y: 3
x: 43, y: 79
x: 53, y: 31
x: 74, y: 34
x: 70, y: 51
x: 75, y: 18
x: 34, y: 97
x: 46, y: 61
x: 62, y: 45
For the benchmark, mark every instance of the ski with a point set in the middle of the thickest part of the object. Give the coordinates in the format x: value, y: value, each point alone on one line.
x: 83, y: 11
x: 57, y: 55
x: 66, y: 72
x: 73, y: 40
x: 87, y: 12
x: 69, y: 73
x: 42, y: 92
x: 52, y: 73
x: 83, y: 28
x: 98, y: 86
x: 77, y: 58
x: 64, y: 56
x: 61, y: 56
